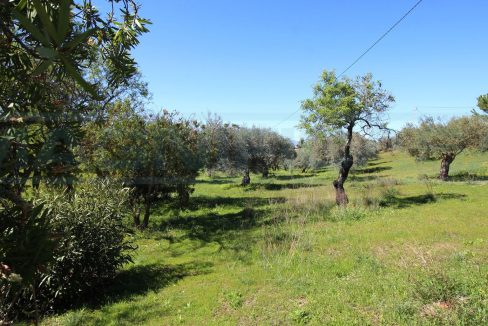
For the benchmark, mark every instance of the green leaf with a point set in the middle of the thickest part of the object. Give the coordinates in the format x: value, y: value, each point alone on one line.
x: 64, y: 18
x: 46, y: 21
x: 78, y: 78
x: 138, y: 24
x: 30, y: 27
x: 21, y: 5
x: 79, y: 38
x: 47, y: 53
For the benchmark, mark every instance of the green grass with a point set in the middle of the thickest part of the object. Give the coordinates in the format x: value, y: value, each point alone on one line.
x: 409, y: 250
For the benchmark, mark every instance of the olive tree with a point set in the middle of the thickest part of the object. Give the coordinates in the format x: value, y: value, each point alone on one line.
x: 265, y: 150
x: 345, y: 105
x: 432, y: 140
x: 223, y: 147
x: 213, y: 141
x: 158, y: 157
x: 311, y: 154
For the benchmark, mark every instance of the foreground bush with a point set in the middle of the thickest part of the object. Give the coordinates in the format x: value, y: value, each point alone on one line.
x: 91, y: 246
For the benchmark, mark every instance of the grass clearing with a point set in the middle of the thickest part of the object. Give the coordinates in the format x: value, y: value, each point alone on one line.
x: 408, y: 250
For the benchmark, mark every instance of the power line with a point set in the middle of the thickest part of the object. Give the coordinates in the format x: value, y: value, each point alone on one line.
x: 366, y: 51
x: 381, y: 37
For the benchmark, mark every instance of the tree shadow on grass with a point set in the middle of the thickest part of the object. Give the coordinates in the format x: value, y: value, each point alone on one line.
x: 206, y: 202
x: 217, y: 181
x: 279, y: 186
x: 229, y: 232
x: 142, y: 279
x: 361, y: 178
x: 378, y: 163
x: 404, y: 202
x: 294, y: 176
x: 139, y: 280
x: 215, y: 230
x: 375, y: 169
x: 466, y: 176
x: 211, y: 226
x: 200, y: 202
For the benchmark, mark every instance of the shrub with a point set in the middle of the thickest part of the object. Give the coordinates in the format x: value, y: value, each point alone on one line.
x: 93, y: 243
x: 91, y: 246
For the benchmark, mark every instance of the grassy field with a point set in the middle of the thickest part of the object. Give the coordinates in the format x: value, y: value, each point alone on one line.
x: 408, y: 250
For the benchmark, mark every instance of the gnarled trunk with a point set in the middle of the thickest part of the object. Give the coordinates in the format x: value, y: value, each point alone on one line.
x: 36, y: 179
x: 341, y: 197
x: 346, y: 164
x: 136, y: 211
x: 148, y: 198
x: 147, y: 213
x: 136, y: 216
x: 445, y: 163
x: 246, y: 179
x: 183, y: 195
x: 265, y: 172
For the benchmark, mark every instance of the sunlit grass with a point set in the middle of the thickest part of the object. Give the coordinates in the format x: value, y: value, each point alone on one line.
x: 408, y: 250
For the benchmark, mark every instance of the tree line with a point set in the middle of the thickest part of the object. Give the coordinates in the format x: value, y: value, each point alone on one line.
x: 159, y: 156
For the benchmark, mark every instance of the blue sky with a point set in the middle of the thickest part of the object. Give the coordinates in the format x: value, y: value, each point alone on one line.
x: 253, y: 62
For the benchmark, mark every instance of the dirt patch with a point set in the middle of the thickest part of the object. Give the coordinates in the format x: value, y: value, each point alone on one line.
x: 435, y: 308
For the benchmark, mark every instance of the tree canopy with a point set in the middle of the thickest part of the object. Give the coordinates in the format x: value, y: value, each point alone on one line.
x: 483, y: 103
x: 156, y: 156
x: 46, y: 50
x: 265, y: 150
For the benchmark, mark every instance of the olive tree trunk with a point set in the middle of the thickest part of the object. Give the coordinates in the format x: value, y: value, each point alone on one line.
x: 136, y: 216
x: 147, y: 213
x: 445, y: 163
x: 183, y: 195
x: 346, y: 164
x: 136, y: 211
x: 246, y: 179
x: 148, y: 199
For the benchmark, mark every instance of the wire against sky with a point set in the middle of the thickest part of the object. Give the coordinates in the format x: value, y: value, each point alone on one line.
x: 381, y: 38
x: 366, y: 51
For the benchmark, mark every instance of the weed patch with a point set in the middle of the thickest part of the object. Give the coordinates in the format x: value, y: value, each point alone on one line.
x: 300, y: 316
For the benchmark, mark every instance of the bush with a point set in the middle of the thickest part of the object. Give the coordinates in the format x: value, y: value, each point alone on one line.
x: 93, y: 243
x: 91, y: 246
